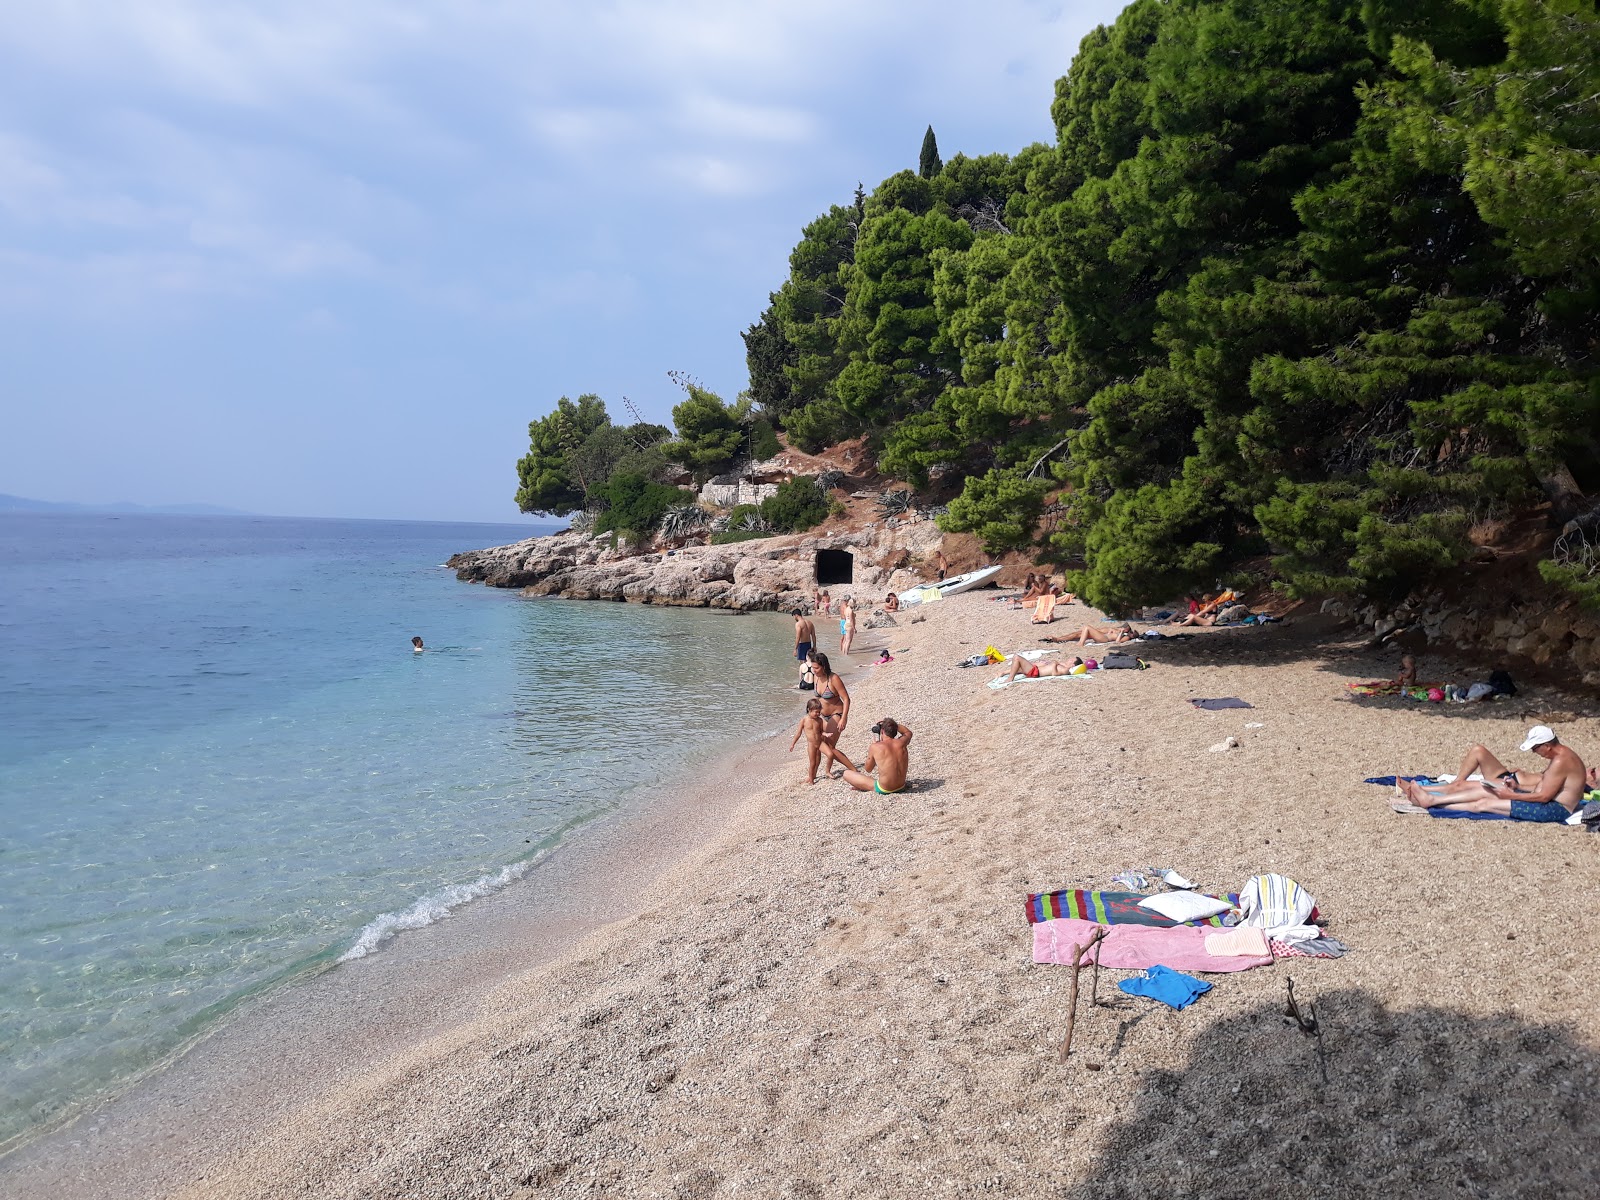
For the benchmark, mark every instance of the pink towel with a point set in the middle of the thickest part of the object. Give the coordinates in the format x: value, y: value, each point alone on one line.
x: 1136, y: 947
x: 1246, y: 939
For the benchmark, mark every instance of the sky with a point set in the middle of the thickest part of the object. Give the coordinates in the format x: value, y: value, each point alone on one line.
x: 318, y: 259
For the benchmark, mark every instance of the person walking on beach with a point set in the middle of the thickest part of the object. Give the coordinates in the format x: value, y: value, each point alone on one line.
x: 940, y: 564
x: 847, y: 624
x: 890, y: 754
x: 805, y: 637
x: 814, y: 728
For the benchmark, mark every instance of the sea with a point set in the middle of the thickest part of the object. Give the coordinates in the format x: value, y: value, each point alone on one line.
x: 223, y: 768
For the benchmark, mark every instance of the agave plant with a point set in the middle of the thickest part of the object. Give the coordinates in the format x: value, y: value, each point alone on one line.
x: 830, y: 479
x: 680, y: 522
x: 895, y: 503
x: 582, y: 522
x: 752, y: 521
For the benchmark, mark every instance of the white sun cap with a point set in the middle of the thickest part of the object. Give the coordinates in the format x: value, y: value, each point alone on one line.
x: 1538, y: 736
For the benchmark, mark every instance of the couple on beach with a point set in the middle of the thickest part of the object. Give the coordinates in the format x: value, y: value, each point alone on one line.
x: 1549, y: 795
x: 827, y: 715
x: 805, y: 632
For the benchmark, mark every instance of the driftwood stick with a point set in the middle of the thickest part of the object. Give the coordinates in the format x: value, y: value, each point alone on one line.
x: 1072, y: 998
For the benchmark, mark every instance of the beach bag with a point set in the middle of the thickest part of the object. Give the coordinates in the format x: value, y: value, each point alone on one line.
x: 1501, y: 682
x: 1121, y: 662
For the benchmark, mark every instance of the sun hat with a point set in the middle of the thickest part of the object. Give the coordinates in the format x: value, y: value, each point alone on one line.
x: 1538, y: 736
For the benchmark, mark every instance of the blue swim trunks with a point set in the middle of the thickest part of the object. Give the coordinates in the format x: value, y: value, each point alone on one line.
x: 802, y: 649
x: 1550, y: 810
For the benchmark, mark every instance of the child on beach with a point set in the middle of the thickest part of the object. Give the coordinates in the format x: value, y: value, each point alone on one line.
x: 811, y: 725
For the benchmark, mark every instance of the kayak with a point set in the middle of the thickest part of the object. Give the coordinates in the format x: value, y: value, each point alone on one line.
x: 930, y: 592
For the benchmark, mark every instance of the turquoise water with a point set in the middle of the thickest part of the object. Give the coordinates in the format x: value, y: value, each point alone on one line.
x: 222, y: 765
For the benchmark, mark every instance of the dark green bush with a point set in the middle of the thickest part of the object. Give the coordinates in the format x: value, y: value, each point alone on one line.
x: 764, y: 443
x: 797, y: 505
x: 637, y: 504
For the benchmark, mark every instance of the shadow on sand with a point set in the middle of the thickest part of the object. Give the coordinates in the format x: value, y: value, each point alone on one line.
x: 1418, y: 1103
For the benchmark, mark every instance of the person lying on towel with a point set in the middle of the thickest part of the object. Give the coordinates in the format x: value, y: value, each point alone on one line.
x: 1033, y: 670
x: 1549, y: 795
x: 1110, y: 635
x: 890, y: 754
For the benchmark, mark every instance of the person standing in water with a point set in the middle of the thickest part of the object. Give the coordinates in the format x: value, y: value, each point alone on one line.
x: 416, y: 645
x: 805, y: 637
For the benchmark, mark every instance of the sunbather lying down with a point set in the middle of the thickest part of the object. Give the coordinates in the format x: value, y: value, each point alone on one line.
x: 1110, y: 635
x: 1033, y: 670
x: 1549, y: 795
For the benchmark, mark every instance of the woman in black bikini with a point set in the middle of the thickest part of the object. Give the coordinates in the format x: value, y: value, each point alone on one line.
x: 835, y: 698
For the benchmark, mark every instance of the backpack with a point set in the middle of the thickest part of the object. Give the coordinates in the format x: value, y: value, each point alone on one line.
x: 1121, y: 662
x: 1501, y: 682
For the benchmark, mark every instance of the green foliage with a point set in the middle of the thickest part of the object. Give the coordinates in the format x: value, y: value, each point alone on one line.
x: 729, y: 536
x: 546, y: 482
x: 740, y: 514
x: 710, y: 433
x: 764, y: 442
x: 929, y: 163
x: 1000, y: 507
x: 637, y: 504
x: 797, y: 505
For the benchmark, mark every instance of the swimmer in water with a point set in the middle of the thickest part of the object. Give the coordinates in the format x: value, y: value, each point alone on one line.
x: 416, y: 645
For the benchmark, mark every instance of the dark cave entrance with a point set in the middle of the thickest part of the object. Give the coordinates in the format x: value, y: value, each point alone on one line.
x: 834, y: 567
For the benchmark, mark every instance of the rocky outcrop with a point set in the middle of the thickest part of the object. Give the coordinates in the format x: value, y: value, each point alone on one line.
x: 767, y: 573
x: 1565, y: 636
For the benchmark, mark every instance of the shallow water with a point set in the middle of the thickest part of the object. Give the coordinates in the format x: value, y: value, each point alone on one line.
x: 222, y: 766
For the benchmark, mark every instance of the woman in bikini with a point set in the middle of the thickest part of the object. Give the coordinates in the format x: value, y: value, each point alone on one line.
x: 834, y: 696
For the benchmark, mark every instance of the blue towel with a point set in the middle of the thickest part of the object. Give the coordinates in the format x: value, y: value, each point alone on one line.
x: 1467, y: 816
x: 1172, y: 988
x: 1391, y: 780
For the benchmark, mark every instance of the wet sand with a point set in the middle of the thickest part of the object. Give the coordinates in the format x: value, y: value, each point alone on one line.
x: 831, y: 993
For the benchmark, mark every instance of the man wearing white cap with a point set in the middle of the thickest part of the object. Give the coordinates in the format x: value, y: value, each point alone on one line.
x: 1550, y: 795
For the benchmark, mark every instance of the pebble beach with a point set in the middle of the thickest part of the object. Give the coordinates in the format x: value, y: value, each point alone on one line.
x: 831, y: 993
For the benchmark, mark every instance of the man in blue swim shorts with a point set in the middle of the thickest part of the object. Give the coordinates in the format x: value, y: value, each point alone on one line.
x: 1549, y: 795
x: 805, y: 634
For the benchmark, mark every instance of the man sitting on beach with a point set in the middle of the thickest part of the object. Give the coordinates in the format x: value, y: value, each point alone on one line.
x: 812, y: 726
x: 889, y: 754
x: 1549, y: 795
x: 1033, y: 670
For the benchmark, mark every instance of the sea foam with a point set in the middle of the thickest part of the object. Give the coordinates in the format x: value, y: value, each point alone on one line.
x: 435, y: 906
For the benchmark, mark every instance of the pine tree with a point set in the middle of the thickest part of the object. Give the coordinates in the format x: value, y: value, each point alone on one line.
x: 929, y: 163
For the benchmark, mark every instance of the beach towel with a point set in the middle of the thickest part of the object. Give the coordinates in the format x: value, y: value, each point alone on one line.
x: 1220, y: 703
x: 1276, y: 903
x: 1137, y: 947
x: 1461, y: 814
x: 1243, y: 940
x: 1395, y: 780
x: 1106, y: 908
x: 1004, y: 682
x: 1172, y: 988
x: 1322, y: 947
x: 1044, y: 609
x: 1388, y: 687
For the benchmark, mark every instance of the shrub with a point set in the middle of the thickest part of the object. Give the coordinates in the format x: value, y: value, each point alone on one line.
x: 797, y: 504
x: 764, y: 443
x: 637, y: 504
x: 740, y: 514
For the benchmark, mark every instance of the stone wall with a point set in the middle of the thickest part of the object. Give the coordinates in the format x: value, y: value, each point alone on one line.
x: 1561, y: 636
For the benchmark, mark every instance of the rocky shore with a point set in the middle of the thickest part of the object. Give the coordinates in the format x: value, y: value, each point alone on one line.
x: 762, y: 574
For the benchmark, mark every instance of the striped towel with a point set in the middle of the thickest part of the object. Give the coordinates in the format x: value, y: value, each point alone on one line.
x: 1107, y: 908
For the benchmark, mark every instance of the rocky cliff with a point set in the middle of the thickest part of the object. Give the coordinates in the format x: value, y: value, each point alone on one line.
x: 767, y: 573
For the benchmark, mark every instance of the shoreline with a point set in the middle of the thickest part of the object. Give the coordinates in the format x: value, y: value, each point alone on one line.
x: 564, y: 894
x: 831, y: 992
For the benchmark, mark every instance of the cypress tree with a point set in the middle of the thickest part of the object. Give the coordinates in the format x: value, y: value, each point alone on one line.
x: 929, y: 163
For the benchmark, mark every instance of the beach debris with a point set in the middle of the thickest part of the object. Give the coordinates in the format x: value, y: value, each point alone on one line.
x: 1132, y: 880
x: 1174, y: 880
x: 1072, y: 997
x: 1255, y: 725
x: 1227, y: 743
x: 1307, y: 1021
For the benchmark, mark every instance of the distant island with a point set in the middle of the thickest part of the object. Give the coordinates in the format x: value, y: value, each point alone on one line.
x: 23, y: 504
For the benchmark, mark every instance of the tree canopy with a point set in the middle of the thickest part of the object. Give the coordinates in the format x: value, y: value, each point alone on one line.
x: 1308, y: 279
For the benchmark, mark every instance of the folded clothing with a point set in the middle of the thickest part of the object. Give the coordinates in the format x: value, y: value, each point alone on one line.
x: 1172, y: 988
x: 1106, y: 908
x: 1134, y: 947
x: 1243, y: 940
x: 1321, y: 947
